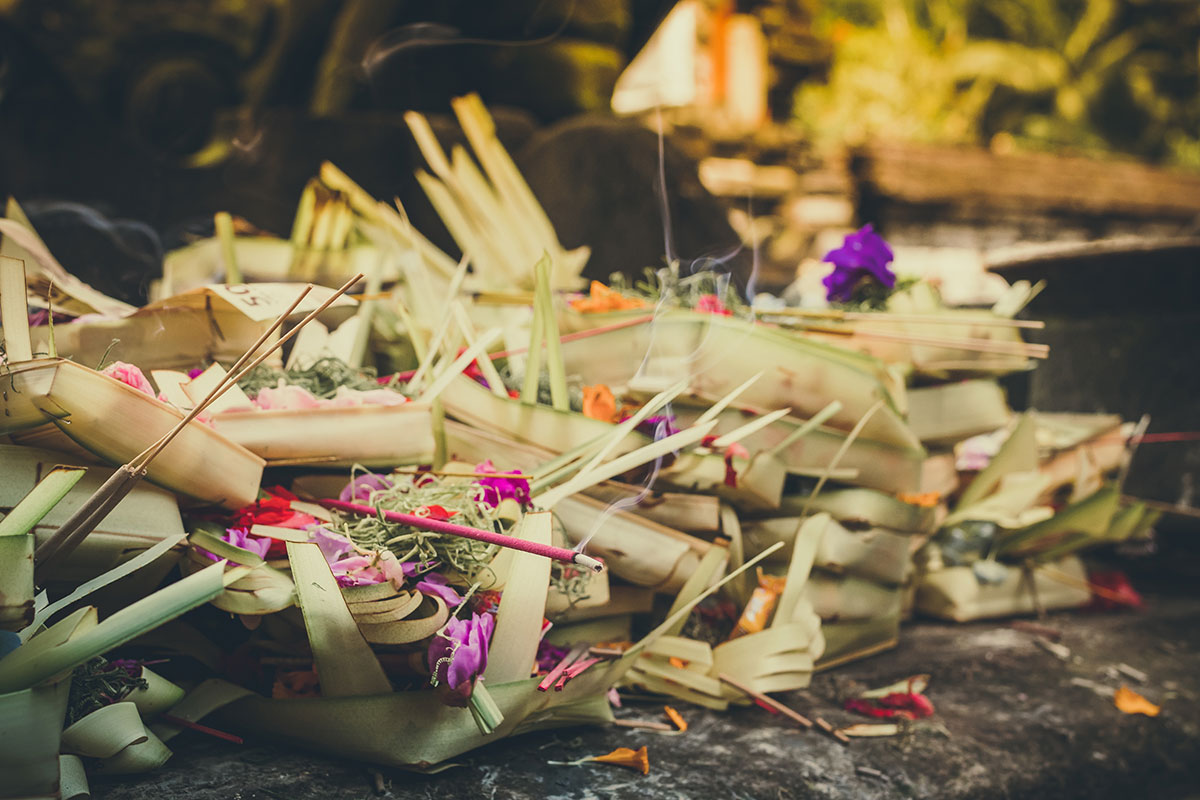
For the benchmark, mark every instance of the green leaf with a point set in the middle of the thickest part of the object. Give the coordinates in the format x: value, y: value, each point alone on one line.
x: 37, y: 504
x: 31, y: 665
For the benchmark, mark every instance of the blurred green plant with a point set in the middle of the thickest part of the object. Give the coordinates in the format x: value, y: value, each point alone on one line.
x: 1087, y: 75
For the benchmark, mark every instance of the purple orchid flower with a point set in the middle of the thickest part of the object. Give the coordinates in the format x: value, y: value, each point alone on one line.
x: 431, y: 583
x: 494, y: 490
x: 240, y: 537
x: 458, y: 654
x: 361, y: 487
x: 863, y: 255
x: 332, y: 545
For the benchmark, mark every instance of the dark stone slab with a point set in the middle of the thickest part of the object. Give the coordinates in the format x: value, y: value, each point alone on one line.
x: 1009, y: 723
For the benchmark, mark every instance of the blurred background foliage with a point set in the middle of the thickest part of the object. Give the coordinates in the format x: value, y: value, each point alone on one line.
x: 1089, y: 76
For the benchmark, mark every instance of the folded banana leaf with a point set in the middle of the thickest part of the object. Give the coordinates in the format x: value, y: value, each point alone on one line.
x: 145, y: 517
x: 537, y: 424
x: 31, y: 723
x: 951, y: 412
x: 117, y: 422
x: 636, y: 549
x: 20, y: 383
x: 956, y: 593
x: 863, y: 508
x: 717, y: 354
x: 373, y: 436
x: 878, y: 466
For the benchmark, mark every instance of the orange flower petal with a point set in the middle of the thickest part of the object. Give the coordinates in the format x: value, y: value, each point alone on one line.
x: 1131, y: 702
x: 624, y: 757
x: 676, y: 718
x: 599, y: 403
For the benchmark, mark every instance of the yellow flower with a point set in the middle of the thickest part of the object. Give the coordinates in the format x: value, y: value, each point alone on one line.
x: 624, y: 757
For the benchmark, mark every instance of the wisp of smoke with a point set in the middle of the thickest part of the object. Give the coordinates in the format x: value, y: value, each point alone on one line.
x: 426, y: 35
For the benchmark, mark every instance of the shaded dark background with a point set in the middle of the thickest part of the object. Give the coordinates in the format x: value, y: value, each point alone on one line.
x: 166, y: 113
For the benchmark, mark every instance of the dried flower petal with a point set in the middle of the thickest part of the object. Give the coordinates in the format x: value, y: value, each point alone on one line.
x: 624, y: 757
x: 676, y: 718
x: 1130, y: 702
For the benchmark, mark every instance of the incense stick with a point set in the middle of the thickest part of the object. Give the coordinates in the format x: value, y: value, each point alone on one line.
x: 451, y: 529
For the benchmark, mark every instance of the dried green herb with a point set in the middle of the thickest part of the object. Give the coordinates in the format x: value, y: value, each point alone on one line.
x: 99, y: 683
x: 321, y: 379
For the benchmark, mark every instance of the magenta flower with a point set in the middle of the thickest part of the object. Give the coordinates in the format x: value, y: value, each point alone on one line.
x: 862, y: 259
x: 458, y: 654
x: 360, y: 489
x: 659, y: 426
x: 494, y: 490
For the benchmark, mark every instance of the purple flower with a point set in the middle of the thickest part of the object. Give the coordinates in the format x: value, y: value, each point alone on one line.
x: 240, y: 537
x: 361, y: 487
x: 458, y: 654
x: 431, y: 583
x: 494, y: 490
x: 863, y: 256
x: 549, y: 655
x: 332, y: 545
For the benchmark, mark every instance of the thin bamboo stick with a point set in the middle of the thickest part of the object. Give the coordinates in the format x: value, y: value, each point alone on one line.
x: 1024, y: 349
x: 887, y: 316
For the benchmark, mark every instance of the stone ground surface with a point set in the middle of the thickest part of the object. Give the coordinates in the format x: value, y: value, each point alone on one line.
x: 1009, y: 724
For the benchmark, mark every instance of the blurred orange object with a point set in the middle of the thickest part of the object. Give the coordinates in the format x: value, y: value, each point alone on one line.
x: 601, y: 298
x: 1131, y: 702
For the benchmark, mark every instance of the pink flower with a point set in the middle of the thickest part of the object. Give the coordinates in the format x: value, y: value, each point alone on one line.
x: 129, y: 375
x: 285, y: 398
x: 350, y: 398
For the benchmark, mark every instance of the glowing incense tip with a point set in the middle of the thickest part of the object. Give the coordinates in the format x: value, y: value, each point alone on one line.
x: 589, y: 562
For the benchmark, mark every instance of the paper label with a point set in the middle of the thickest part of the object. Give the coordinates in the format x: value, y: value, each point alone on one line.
x: 265, y: 301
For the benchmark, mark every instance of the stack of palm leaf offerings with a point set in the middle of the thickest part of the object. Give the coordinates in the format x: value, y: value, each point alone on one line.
x: 469, y: 502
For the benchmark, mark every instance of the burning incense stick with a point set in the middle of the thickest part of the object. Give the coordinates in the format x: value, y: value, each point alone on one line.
x: 451, y: 529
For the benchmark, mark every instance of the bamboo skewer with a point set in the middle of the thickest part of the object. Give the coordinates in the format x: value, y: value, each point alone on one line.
x: 93, y: 511
x: 1166, y: 508
x: 1025, y: 349
x: 887, y: 316
x: 452, y: 529
x: 441, y: 473
x: 772, y: 704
